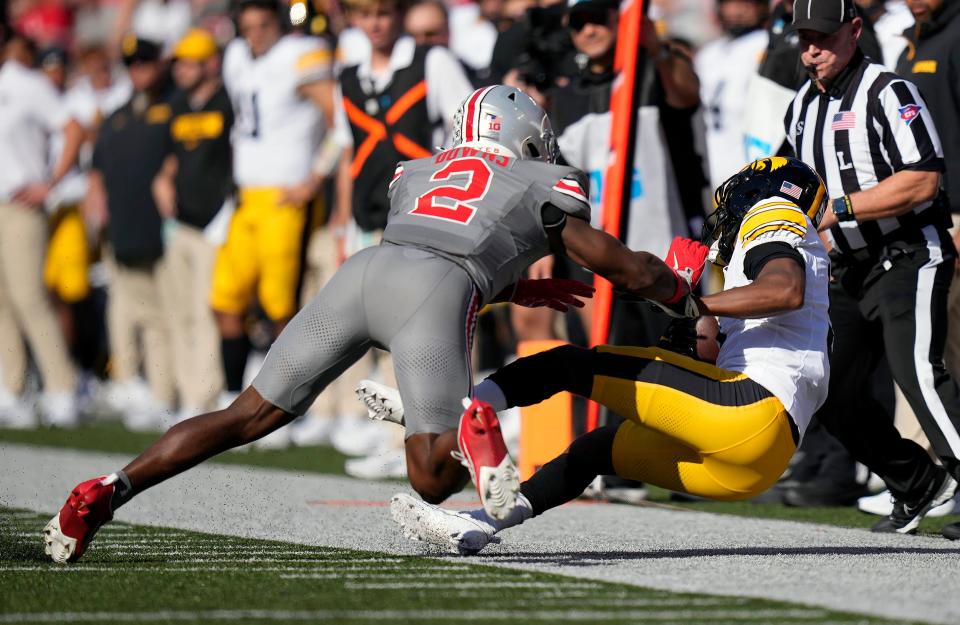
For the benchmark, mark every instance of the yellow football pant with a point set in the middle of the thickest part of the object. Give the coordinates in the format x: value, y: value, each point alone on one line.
x: 262, y: 253
x: 692, y: 427
x: 66, y: 267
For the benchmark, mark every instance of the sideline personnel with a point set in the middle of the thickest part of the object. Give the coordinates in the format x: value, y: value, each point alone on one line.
x: 869, y: 135
x: 190, y: 191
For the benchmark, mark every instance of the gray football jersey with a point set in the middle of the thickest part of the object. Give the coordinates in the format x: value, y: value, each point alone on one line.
x: 483, y: 211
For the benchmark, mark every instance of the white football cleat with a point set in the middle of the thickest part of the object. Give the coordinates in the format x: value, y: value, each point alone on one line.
x: 389, y: 464
x: 449, y: 529
x: 311, y: 431
x: 881, y: 504
x: 59, y: 410
x: 382, y: 402
x: 359, y: 437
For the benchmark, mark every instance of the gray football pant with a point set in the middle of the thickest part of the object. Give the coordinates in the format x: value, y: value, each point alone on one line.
x: 420, y: 307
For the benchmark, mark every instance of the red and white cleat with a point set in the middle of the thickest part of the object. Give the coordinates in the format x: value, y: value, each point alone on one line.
x: 485, y: 455
x: 88, y: 507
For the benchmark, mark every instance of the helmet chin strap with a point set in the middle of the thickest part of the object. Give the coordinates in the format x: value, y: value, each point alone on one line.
x: 488, y: 146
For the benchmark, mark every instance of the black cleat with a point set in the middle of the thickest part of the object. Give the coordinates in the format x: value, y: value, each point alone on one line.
x: 906, y: 515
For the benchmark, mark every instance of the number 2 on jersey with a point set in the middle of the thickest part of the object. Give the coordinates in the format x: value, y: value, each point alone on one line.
x: 460, y: 193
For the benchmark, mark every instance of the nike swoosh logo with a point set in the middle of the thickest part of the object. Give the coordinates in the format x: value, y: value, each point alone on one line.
x: 676, y: 264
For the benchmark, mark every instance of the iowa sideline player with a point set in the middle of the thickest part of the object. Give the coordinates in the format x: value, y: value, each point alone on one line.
x: 462, y: 228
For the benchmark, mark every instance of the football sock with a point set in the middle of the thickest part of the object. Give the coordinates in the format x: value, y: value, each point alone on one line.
x: 122, y: 489
x: 521, y: 512
x: 530, y: 380
x: 564, y: 478
x: 234, y: 352
x: 488, y: 391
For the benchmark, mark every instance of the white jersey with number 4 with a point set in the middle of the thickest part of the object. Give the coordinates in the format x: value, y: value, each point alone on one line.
x: 277, y: 131
x: 786, y: 353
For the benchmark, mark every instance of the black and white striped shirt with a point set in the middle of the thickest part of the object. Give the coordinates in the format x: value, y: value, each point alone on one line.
x: 870, y: 124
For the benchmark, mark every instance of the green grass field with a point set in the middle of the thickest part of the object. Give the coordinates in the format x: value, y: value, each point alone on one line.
x: 111, y: 437
x: 156, y: 575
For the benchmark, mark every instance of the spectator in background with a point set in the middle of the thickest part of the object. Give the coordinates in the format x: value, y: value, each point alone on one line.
x: 67, y: 264
x: 162, y: 21
x: 537, y: 43
x: 31, y: 113
x: 889, y: 19
x: 397, y: 104
x: 281, y: 88
x: 725, y: 66
x: 129, y: 152
x: 427, y: 22
x: 190, y: 191
x: 473, y: 33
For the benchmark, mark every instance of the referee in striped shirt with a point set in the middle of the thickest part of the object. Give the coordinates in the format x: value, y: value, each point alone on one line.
x: 870, y: 136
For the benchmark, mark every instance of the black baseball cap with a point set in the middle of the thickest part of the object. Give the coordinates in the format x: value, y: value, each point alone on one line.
x: 136, y: 49
x: 823, y: 16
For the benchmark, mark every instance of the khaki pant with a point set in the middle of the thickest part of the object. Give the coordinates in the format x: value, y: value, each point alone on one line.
x: 339, y: 397
x: 25, y: 308
x: 137, y: 324
x: 195, y: 344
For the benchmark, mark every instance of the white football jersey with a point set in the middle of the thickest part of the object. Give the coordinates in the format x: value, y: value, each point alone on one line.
x: 276, y: 131
x: 725, y: 66
x: 787, y: 353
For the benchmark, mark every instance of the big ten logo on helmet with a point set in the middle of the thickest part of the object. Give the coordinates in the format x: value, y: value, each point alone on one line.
x: 910, y: 113
x: 492, y: 125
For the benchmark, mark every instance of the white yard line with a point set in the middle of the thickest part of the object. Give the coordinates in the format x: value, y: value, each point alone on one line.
x: 899, y: 577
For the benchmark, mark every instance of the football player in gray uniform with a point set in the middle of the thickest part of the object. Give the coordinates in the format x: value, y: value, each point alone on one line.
x: 463, y: 226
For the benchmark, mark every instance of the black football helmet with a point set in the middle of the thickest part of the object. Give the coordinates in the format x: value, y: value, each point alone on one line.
x: 774, y: 176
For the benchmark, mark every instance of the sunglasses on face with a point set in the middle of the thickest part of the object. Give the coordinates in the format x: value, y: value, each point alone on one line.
x: 579, y: 19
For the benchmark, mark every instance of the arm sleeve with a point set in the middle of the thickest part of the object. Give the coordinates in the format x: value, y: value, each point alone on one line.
x: 447, y: 85
x: 909, y: 134
x: 760, y: 255
x: 571, y: 194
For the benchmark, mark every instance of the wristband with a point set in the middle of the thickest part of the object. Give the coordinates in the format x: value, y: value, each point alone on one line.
x: 682, y: 288
x: 843, y: 208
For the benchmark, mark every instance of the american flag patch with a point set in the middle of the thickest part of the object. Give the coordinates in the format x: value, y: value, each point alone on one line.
x: 844, y: 121
x: 791, y: 189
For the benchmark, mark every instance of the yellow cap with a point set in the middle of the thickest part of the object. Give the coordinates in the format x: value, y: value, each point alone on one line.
x: 196, y: 45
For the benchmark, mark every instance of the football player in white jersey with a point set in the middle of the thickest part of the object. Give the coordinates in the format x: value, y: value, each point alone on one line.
x: 281, y: 87
x: 723, y: 431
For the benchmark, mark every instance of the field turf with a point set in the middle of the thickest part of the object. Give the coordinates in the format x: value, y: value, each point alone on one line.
x: 111, y: 437
x: 155, y: 575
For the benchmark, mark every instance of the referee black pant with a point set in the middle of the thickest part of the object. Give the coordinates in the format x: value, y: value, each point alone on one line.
x: 895, y: 306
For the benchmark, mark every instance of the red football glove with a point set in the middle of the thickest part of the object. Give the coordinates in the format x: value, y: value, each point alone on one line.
x: 554, y: 293
x: 687, y: 258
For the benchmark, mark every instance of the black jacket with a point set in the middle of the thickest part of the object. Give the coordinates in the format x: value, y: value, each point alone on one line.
x: 932, y: 62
